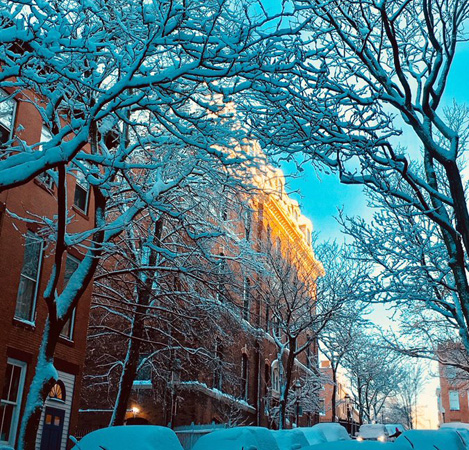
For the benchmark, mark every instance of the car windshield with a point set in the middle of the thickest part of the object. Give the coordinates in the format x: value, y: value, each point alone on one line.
x: 371, y: 431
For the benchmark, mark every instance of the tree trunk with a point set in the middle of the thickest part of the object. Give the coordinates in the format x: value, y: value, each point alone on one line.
x: 129, y: 369
x: 44, y: 378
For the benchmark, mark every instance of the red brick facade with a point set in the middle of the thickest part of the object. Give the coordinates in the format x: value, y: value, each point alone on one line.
x: 20, y: 339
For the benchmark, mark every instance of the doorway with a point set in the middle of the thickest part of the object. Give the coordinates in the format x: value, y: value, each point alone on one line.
x: 52, y: 430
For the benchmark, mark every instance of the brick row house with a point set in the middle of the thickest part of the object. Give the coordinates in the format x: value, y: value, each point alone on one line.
x: 25, y: 266
x: 240, y: 384
x: 453, y: 392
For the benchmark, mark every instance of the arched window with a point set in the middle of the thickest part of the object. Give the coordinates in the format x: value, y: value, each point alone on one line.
x: 275, y: 376
x: 57, y: 392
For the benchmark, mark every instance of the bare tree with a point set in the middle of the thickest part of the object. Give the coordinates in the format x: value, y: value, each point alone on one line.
x: 367, y: 68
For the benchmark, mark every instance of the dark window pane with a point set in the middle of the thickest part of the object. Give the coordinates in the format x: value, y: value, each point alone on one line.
x: 15, y: 382
x: 81, y: 198
x: 6, y: 415
x: 70, y: 266
x: 4, y: 134
x: 24, y: 302
x: 6, y: 383
x: 32, y: 255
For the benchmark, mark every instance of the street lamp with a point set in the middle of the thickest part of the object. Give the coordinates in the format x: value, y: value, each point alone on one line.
x: 297, y: 389
x: 135, y: 411
x: 348, y: 406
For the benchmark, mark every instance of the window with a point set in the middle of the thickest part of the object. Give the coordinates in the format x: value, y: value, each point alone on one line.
x: 244, y: 376
x: 58, y: 392
x: 322, y: 407
x: 247, y: 224
x: 221, y: 273
x: 7, y: 115
x: 143, y: 368
x: 29, y: 280
x: 71, y: 264
x: 246, y: 298
x: 275, y: 377
x: 45, y: 177
x: 11, y: 400
x: 82, y: 192
x: 454, y: 400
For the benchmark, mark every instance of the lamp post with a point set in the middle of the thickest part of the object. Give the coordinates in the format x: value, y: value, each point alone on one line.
x: 349, y: 412
x: 297, y: 389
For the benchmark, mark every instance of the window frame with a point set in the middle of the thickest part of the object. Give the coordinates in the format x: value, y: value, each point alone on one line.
x: 44, y: 177
x: 13, y: 114
x: 31, y: 320
x: 79, y: 184
x: 19, y: 397
x: 452, y: 407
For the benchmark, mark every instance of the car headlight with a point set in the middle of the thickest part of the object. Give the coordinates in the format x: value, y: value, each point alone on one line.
x: 382, y: 439
x: 359, y: 439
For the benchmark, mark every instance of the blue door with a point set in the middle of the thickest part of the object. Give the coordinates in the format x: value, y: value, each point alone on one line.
x: 52, y: 429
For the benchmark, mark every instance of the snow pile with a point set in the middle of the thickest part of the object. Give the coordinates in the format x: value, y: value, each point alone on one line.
x: 290, y: 439
x: 141, y: 437
x: 313, y: 435
x: 461, y: 428
x: 431, y: 440
x: 246, y: 438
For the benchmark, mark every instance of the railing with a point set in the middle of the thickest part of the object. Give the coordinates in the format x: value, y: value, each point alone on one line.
x: 188, y: 435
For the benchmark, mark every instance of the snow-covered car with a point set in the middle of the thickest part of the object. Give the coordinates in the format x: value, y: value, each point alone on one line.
x: 332, y: 432
x: 290, y: 439
x: 461, y: 428
x: 238, y: 438
x: 373, y: 432
x: 141, y: 437
x: 354, y: 445
x: 431, y: 440
x: 313, y: 435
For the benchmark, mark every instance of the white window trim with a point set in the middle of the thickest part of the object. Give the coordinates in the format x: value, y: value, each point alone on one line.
x: 456, y: 397
x: 16, y: 414
x: 32, y: 318
x: 13, y: 114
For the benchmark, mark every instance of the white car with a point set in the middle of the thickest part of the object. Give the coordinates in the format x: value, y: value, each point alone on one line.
x: 373, y: 432
x: 141, y: 437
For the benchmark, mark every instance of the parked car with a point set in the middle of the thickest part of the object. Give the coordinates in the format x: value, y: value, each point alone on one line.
x: 332, y: 431
x: 445, y: 439
x: 373, y: 432
x: 313, y: 435
x: 238, y: 438
x: 141, y: 437
x: 290, y: 439
x: 354, y: 445
x: 461, y: 428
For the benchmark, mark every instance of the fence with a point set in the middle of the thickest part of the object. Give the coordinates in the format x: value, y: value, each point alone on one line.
x: 188, y: 435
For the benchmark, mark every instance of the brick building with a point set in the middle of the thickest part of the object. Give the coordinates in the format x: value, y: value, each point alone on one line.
x: 453, y: 393
x: 25, y: 266
x: 242, y: 384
